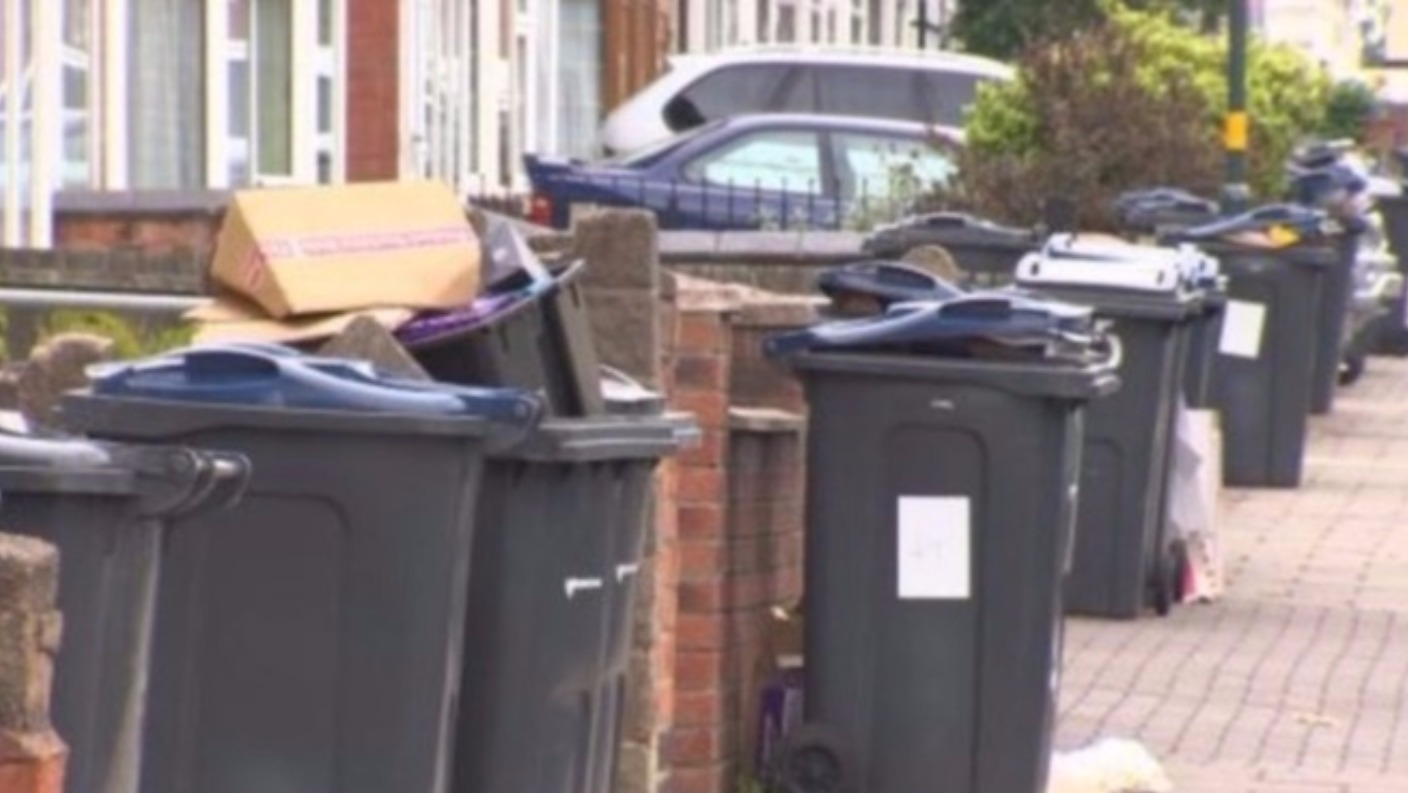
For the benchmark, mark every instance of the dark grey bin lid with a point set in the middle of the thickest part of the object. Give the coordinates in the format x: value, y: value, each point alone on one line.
x: 58, y: 481
x: 32, y: 464
x: 600, y: 439
x: 1044, y: 378
x: 1311, y: 254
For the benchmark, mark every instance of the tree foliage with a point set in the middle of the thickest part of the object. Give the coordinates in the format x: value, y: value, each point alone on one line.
x: 1133, y: 101
x: 1002, y: 29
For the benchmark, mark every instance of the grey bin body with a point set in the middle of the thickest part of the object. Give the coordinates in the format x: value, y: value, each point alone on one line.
x: 1265, y: 400
x: 956, y: 693
x: 1202, y: 350
x: 1122, y: 561
x: 1394, y: 210
x: 308, y: 640
x: 108, y: 523
x: 561, y: 529
x: 1336, y: 292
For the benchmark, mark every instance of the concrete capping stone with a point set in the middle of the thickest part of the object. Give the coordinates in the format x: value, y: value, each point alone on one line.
x: 29, y: 574
x: 759, y: 247
x: 766, y: 421
x: 153, y: 202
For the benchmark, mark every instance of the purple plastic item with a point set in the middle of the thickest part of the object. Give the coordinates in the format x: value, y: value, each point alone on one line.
x: 430, y: 327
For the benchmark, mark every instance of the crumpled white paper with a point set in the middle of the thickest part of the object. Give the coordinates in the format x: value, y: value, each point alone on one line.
x: 1111, y: 765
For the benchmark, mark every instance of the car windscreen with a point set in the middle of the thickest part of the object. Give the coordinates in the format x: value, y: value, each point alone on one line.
x: 645, y: 156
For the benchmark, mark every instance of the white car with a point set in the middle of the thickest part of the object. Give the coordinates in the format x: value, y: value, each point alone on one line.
x: 930, y: 87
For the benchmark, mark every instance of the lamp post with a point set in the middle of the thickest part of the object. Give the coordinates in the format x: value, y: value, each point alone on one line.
x: 1235, y: 192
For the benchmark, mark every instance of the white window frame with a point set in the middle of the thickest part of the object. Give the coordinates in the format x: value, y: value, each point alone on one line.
x: 37, y: 26
x: 310, y: 62
x: 438, y: 63
x: 12, y: 27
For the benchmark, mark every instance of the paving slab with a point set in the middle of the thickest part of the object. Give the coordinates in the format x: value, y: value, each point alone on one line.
x: 1296, y: 681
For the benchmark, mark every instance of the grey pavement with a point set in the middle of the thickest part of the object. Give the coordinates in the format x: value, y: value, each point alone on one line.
x: 1296, y: 681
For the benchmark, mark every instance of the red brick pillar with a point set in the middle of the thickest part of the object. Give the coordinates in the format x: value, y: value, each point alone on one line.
x: 32, y: 756
x: 699, y: 753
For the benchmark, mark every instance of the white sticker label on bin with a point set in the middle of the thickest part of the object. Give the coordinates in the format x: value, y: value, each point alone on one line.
x: 935, y: 548
x: 1243, y: 325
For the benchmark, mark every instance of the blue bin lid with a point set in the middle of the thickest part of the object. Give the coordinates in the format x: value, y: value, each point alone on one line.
x: 1310, y: 223
x: 1006, y: 316
x: 271, y: 376
x: 886, y: 281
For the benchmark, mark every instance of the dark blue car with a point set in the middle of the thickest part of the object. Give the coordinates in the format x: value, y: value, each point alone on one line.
x: 757, y: 172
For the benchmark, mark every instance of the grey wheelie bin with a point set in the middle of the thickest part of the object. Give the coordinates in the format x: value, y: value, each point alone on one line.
x: 107, y: 508
x: 1124, y: 561
x: 1266, y: 353
x: 1394, y: 211
x: 871, y: 286
x: 1154, y: 214
x: 986, y: 251
x: 557, y: 553
x: 942, y: 458
x: 308, y: 640
x: 1321, y: 180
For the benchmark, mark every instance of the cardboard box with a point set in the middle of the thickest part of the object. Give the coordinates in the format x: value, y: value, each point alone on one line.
x: 343, y: 248
x: 230, y: 319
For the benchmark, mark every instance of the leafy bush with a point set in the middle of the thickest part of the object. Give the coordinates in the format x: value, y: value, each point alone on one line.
x: 1348, y: 109
x: 131, y: 339
x: 1134, y: 101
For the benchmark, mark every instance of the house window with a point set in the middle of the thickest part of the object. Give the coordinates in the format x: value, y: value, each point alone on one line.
x: 263, y: 82
x: 172, y: 94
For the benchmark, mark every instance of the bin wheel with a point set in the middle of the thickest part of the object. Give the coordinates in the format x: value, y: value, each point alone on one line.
x: 1352, y: 368
x: 812, y: 760
x: 1181, y: 569
x: 1168, y: 582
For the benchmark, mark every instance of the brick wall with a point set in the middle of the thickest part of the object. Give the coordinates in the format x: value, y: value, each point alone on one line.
x: 739, y: 541
x: 32, y: 756
x: 152, y: 222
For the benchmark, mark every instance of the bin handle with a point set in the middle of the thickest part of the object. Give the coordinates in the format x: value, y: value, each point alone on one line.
x: 225, y: 481
x: 189, y: 480
x: 1114, y: 349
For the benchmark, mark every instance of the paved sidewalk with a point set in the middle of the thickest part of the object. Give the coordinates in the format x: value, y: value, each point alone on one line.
x: 1297, y: 681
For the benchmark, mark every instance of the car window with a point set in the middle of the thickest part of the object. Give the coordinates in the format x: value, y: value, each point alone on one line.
x: 726, y: 92
x: 773, y: 160
x: 950, y: 94
x: 875, y: 166
x: 870, y: 91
